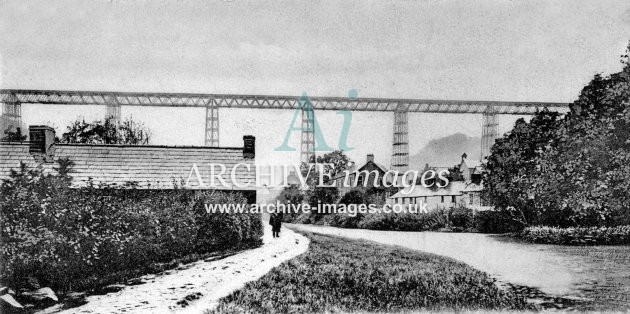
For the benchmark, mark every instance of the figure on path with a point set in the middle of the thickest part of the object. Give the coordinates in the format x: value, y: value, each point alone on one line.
x: 275, y: 220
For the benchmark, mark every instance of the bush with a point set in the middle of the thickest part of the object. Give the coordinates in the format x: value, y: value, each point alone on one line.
x: 495, y: 221
x: 392, y: 221
x: 303, y: 218
x: 456, y: 219
x: 355, y: 196
x: 434, y: 220
x: 292, y: 196
x: 577, y: 236
x: 71, y: 238
x: 340, y: 220
x: 460, y: 218
x: 321, y: 195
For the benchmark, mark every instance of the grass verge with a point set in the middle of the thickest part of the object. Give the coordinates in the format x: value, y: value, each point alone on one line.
x: 341, y: 275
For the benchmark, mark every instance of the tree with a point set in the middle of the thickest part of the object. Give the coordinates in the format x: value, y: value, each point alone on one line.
x: 107, y: 131
x: 512, y: 165
x: 291, y: 195
x: 569, y: 172
x: 355, y: 196
x: 588, y: 171
x: 334, y: 163
x: 337, y: 162
x: 322, y: 195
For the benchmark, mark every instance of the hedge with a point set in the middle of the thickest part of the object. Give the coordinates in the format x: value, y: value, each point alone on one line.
x: 577, y: 236
x: 68, y: 238
x: 496, y: 221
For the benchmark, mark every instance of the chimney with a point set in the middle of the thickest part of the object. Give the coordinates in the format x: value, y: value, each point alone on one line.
x: 370, y: 157
x: 41, y: 142
x: 249, y: 147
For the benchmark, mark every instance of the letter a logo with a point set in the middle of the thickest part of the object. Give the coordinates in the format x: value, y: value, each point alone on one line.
x: 307, y: 107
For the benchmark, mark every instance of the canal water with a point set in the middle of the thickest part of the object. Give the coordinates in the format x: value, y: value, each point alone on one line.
x: 600, y: 274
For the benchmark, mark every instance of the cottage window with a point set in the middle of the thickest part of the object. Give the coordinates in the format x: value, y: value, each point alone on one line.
x: 442, y: 198
x: 453, y: 199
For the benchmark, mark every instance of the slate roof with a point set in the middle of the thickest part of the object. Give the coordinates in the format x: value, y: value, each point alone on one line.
x: 147, y: 166
x: 380, y: 166
x: 453, y: 188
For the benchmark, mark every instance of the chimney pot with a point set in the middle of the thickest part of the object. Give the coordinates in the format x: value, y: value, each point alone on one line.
x: 249, y: 147
x: 41, y: 142
x: 370, y: 157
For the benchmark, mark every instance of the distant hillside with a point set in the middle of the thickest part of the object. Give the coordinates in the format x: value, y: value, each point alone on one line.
x: 446, y: 151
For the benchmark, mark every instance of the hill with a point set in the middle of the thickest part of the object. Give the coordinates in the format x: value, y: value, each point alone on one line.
x: 446, y: 151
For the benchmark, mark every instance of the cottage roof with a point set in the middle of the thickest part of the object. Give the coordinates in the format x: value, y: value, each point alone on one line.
x: 144, y: 166
x: 453, y: 188
x: 380, y: 166
x: 354, y: 169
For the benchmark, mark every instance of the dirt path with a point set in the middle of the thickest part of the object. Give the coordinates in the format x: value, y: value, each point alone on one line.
x: 212, y: 279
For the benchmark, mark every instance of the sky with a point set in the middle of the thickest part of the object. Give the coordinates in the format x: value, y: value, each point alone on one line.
x: 429, y: 49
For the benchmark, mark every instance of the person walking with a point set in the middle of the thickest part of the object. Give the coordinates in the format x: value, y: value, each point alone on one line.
x: 275, y: 220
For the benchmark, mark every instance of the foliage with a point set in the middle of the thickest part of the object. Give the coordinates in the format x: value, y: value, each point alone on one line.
x: 496, y: 221
x: 450, y: 219
x: 340, y: 220
x: 321, y: 195
x: 107, y: 131
x: 587, y: 171
x: 340, y: 275
x: 16, y: 136
x: 394, y: 222
x: 577, y: 236
x: 460, y: 218
x: 438, y: 219
x: 379, y: 195
x: 337, y: 158
x: 303, y: 218
x: 354, y: 196
x: 291, y: 194
x: 315, y: 194
x: 71, y: 238
x: 569, y: 172
x: 512, y: 169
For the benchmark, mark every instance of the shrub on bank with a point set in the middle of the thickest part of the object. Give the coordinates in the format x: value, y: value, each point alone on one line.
x: 340, y: 220
x: 68, y: 238
x: 577, y: 236
x: 457, y: 219
x: 495, y: 221
x: 460, y: 218
x: 396, y: 222
x: 303, y: 218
